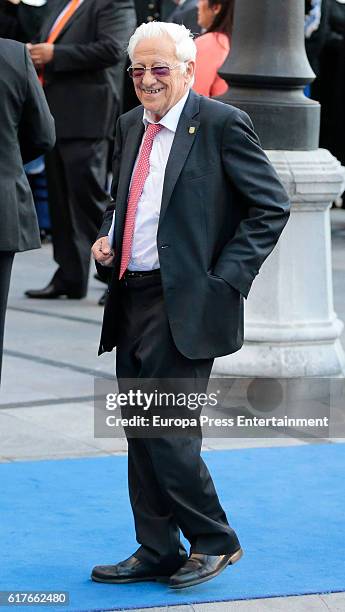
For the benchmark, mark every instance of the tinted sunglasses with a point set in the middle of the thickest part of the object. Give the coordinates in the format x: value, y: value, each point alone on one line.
x: 156, y: 71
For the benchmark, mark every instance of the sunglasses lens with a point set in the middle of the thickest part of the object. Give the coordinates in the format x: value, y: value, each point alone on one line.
x: 160, y: 71
x: 136, y: 73
x: 156, y: 71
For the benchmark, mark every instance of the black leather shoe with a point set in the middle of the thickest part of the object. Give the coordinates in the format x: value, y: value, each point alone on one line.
x: 129, y: 570
x: 103, y: 298
x: 200, y: 568
x: 100, y: 279
x: 52, y: 292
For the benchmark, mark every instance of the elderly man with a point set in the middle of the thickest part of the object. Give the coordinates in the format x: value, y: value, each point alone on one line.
x: 197, y: 209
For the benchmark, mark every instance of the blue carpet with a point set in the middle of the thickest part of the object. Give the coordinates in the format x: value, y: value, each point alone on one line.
x: 59, y: 518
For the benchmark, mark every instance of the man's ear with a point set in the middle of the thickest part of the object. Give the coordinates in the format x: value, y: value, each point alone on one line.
x: 190, y: 69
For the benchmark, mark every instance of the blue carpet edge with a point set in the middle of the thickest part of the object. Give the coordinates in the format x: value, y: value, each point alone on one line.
x: 206, y: 450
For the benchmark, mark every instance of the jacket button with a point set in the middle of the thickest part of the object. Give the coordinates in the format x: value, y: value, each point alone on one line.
x: 164, y: 246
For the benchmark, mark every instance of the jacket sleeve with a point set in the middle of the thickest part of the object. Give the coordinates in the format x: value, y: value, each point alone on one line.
x: 104, y: 271
x: 106, y: 50
x: 36, y: 132
x: 265, y: 201
x: 108, y: 215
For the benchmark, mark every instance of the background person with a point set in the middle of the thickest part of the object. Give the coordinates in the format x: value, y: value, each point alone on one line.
x: 26, y: 131
x: 198, y: 208
x: 315, y: 29
x: 331, y: 90
x: 79, y: 58
x: 216, y: 18
x: 186, y: 13
x: 21, y: 19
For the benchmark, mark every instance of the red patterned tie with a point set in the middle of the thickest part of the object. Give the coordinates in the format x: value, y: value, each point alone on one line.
x: 139, y: 177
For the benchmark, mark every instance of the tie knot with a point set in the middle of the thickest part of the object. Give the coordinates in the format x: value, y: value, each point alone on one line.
x: 152, y: 130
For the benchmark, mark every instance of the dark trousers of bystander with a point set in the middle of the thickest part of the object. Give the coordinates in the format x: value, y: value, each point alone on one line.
x: 77, y: 193
x: 6, y: 261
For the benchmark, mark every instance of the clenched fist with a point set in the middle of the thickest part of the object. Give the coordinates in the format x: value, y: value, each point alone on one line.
x: 102, y: 251
x: 41, y: 54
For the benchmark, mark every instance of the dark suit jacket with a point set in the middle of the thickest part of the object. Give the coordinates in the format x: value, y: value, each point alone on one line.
x: 20, y: 21
x: 223, y: 209
x: 26, y: 131
x: 187, y: 15
x: 149, y: 10
x: 81, y: 83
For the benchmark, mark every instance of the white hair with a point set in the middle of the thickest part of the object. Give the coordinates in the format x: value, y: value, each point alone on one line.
x: 180, y: 35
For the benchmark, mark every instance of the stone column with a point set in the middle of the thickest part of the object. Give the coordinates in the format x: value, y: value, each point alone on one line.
x: 291, y: 329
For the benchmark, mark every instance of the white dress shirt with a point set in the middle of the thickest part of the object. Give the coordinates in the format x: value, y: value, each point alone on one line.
x: 144, y: 247
x: 36, y: 3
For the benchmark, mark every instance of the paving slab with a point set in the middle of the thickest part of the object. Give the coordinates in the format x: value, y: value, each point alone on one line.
x: 334, y: 602
x: 26, y: 380
x: 225, y: 443
x: 69, y: 422
x: 21, y: 440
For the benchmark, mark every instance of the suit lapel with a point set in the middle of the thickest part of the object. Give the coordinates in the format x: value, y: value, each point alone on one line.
x: 51, y: 18
x: 60, y: 5
x: 75, y: 16
x: 184, y: 138
x: 130, y: 152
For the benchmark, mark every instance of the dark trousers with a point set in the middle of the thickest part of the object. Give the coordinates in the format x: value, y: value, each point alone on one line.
x: 170, y: 487
x: 77, y: 178
x: 6, y: 261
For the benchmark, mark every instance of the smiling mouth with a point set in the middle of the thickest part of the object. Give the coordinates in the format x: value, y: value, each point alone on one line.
x: 152, y: 91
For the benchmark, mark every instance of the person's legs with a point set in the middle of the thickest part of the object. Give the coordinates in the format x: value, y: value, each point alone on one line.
x: 77, y: 191
x: 155, y: 526
x: 69, y: 274
x: 6, y: 261
x: 172, y: 462
x: 156, y: 529
x: 86, y: 170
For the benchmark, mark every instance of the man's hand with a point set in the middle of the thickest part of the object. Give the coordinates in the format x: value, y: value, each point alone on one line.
x: 102, y: 251
x: 41, y: 54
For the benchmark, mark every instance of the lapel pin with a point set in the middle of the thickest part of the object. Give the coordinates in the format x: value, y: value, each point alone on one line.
x: 191, y: 130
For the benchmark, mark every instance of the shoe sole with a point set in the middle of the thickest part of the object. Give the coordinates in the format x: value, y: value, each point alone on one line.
x: 67, y: 296
x: 233, y: 559
x: 127, y: 580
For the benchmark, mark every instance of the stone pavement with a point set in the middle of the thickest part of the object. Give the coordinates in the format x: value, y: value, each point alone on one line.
x: 50, y: 363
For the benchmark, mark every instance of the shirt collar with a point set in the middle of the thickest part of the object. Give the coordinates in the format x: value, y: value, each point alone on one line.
x: 171, y: 119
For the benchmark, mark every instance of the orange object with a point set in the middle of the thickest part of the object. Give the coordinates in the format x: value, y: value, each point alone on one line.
x: 212, y: 50
x: 54, y: 33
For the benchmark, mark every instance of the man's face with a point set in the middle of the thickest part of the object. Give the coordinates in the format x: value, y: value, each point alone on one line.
x: 159, y: 94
